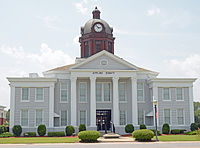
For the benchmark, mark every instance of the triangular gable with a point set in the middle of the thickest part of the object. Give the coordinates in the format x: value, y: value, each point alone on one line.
x: 105, y: 60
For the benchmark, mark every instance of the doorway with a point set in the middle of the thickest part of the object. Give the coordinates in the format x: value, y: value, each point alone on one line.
x: 103, y: 118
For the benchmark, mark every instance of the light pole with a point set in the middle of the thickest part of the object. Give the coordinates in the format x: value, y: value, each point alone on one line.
x: 155, y: 104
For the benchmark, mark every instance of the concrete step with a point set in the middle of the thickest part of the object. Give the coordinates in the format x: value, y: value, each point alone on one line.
x: 111, y: 135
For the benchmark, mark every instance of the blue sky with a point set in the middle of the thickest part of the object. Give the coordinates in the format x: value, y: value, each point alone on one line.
x: 160, y: 35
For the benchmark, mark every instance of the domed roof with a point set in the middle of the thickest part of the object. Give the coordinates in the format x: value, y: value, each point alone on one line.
x: 89, y: 24
x: 96, y: 19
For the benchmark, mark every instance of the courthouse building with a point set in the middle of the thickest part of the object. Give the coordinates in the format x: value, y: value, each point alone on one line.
x: 100, y: 88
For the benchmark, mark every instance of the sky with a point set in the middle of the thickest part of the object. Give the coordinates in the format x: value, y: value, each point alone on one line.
x: 159, y: 35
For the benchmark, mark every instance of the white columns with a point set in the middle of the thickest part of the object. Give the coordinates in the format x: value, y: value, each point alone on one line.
x: 115, y: 101
x: 155, y: 97
x: 93, y: 101
x: 51, y: 106
x: 73, y: 101
x: 134, y: 101
x: 12, y: 105
x: 191, y: 104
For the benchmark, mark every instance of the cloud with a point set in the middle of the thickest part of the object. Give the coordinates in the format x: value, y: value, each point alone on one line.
x: 46, y: 58
x: 153, y: 11
x: 80, y: 7
x: 76, y: 40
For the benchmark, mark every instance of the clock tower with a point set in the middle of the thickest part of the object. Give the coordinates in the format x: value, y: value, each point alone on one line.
x: 96, y: 35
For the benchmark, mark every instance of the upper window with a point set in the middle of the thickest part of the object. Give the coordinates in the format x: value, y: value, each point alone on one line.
x: 167, y: 116
x: 140, y: 92
x: 83, y: 91
x: 24, y: 117
x: 38, y: 117
x: 86, y: 49
x: 140, y: 117
x: 64, y: 92
x: 39, y: 94
x: 63, y: 118
x: 122, y: 117
x: 103, y: 91
x: 98, y: 91
x: 122, y: 91
x: 180, y: 116
x: 110, y: 46
x: 179, y: 94
x: 166, y: 94
x: 106, y: 91
x: 83, y: 117
x: 98, y: 45
x: 25, y: 94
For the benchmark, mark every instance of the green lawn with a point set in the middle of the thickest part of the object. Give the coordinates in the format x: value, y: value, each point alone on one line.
x: 178, y: 138
x: 23, y: 140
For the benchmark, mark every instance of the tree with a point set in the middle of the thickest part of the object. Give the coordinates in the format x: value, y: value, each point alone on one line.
x: 197, y: 112
x: 8, y: 116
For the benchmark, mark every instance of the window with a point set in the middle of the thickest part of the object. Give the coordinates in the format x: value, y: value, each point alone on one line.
x: 179, y: 93
x: 180, y: 116
x: 86, y: 49
x: 39, y: 94
x: 106, y: 91
x: 122, y: 117
x: 98, y: 45
x: 110, y: 46
x: 83, y: 91
x: 166, y: 94
x: 140, y: 92
x: 122, y: 91
x: 63, y: 119
x: 98, y: 91
x: 25, y: 92
x: 83, y: 117
x: 24, y: 117
x: 140, y: 117
x: 38, y: 117
x: 64, y: 92
x: 167, y: 116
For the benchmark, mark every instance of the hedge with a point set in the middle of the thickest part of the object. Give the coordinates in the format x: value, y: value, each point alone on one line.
x: 191, y: 133
x: 193, y: 127
x: 165, y: 128
x: 82, y: 127
x: 41, y: 130
x: 17, y: 130
x: 29, y: 134
x: 178, y: 131
x: 154, y: 131
x: 56, y: 134
x: 69, y: 130
x: 143, y: 135
x: 143, y: 126
x: 129, y: 128
x: 6, y: 134
x: 3, y: 129
x: 88, y: 136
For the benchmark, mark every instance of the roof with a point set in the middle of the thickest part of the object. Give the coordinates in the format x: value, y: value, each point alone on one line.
x: 62, y: 68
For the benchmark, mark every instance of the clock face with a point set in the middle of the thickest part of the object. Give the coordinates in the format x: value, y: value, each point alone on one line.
x: 98, y: 27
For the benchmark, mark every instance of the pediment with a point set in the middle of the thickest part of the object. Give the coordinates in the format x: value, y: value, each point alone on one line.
x: 105, y: 61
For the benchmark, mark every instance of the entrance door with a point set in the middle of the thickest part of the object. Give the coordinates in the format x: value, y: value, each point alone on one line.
x: 103, y: 118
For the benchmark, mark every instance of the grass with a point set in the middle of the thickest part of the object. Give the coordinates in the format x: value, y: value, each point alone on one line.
x: 23, y: 140
x: 178, y: 138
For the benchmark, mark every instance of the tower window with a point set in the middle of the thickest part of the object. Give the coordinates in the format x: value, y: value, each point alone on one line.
x: 86, y: 52
x: 110, y: 46
x: 98, y: 45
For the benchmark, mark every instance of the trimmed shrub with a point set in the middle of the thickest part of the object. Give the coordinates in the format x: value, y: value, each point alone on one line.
x: 165, y: 128
x: 129, y: 128
x: 6, y: 134
x: 143, y: 126
x: 41, y: 130
x: 88, y: 136
x: 193, y: 127
x: 56, y: 134
x: 29, y: 134
x: 143, y: 135
x: 154, y: 131
x: 69, y: 130
x: 17, y: 130
x: 2, y: 129
x: 178, y: 131
x: 82, y: 127
x: 191, y: 133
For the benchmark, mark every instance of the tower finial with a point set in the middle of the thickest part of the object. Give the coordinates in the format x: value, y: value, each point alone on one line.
x: 96, y: 13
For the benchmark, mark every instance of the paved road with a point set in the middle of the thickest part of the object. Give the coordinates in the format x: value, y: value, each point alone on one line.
x: 109, y: 145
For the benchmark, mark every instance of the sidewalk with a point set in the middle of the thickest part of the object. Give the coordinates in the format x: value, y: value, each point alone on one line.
x: 120, y: 139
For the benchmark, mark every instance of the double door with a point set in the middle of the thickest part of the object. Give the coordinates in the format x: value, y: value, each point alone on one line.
x: 103, y: 118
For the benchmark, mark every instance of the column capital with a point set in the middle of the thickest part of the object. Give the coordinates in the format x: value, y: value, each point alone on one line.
x: 115, y: 78
x: 73, y: 78
x: 93, y: 78
x: 133, y: 79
